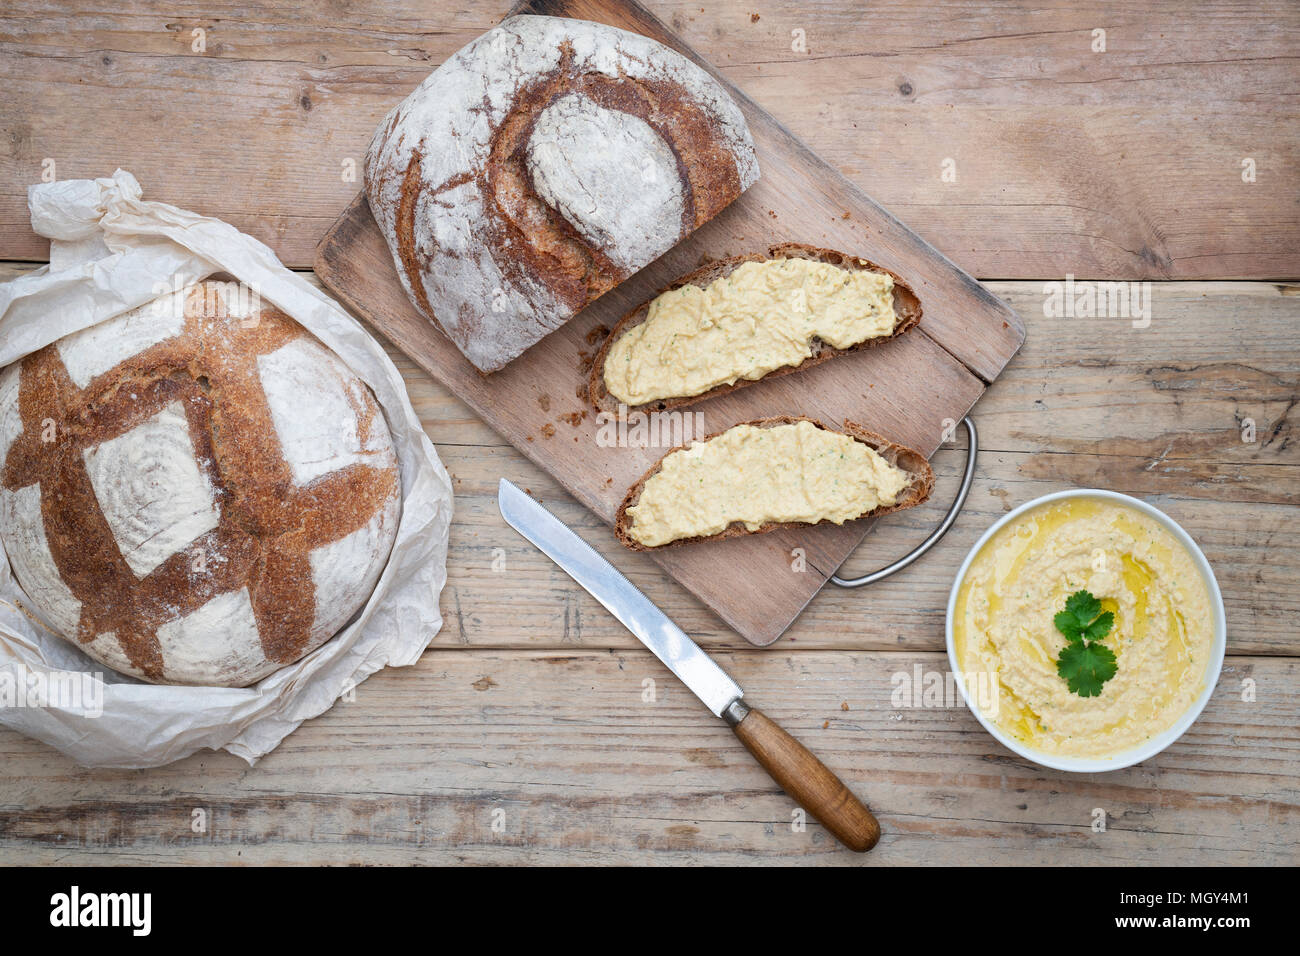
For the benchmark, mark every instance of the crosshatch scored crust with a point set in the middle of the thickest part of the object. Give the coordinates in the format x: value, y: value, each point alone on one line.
x: 907, y: 307
x: 912, y: 462
x: 268, y: 525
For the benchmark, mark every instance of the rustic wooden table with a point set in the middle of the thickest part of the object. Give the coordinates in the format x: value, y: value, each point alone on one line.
x: 1012, y: 141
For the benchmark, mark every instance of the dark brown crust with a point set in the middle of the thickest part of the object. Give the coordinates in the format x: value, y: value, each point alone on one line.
x: 906, y: 306
x: 529, y: 241
x: 406, y: 232
x: 900, y: 456
x: 543, y: 245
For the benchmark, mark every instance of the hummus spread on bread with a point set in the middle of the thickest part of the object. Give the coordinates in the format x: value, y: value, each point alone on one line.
x: 1162, y: 634
x: 761, y: 317
x: 755, y: 476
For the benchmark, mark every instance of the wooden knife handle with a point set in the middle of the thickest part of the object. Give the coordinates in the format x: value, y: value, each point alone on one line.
x: 804, y: 777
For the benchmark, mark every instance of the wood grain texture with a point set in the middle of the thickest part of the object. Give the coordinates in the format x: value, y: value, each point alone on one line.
x: 808, y: 781
x: 1125, y: 163
x: 906, y: 389
x: 1107, y: 419
x: 531, y: 686
x: 1161, y: 421
x: 1118, y: 165
x: 489, y: 567
x: 564, y: 749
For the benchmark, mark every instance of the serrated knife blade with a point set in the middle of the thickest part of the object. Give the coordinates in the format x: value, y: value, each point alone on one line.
x: 620, y: 597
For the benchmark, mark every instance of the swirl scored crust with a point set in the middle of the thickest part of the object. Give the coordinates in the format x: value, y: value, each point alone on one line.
x: 540, y: 166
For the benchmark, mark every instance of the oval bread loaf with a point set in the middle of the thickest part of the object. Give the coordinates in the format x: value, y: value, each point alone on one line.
x: 906, y: 307
x: 914, y: 484
x: 195, y: 492
x: 540, y: 166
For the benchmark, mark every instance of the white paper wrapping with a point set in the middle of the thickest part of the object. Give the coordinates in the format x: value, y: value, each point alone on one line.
x: 110, y: 251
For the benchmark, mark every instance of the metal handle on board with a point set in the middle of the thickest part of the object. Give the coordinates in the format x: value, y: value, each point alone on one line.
x: 973, y: 446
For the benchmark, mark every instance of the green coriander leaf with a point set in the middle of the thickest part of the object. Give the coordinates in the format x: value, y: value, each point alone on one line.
x: 1068, y: 625
x: 1100, y: 627
x: 1083, y: 606
x: 1085, y: 663
x: 1085, y: 667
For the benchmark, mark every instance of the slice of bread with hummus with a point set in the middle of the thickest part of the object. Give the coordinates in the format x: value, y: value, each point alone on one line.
x: 772, y: 473
x: 737, y: 321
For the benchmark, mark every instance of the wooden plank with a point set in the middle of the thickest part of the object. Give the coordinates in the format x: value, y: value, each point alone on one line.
x: 432, y: 752
x: 1125, y: 163
x: 1178, y: 393
x: 1235, y: 498
x: 489, y: 566
x: 907, y: 389
x: 1084, y: 386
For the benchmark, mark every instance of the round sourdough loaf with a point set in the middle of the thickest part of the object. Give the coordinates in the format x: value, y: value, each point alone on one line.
x: 195, y: 492
x: 540, y: 166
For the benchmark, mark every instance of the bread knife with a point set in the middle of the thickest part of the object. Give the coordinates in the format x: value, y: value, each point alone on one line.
x: 793, y: 766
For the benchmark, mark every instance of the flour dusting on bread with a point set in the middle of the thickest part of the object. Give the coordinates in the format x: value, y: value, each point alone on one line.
x: 540, y: 166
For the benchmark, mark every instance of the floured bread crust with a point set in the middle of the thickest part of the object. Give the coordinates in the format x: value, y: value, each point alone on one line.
x: 192, y: 493
x: 540, y: 166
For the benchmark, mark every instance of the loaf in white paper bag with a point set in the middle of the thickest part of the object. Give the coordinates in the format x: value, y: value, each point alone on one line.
x: 110, y: 253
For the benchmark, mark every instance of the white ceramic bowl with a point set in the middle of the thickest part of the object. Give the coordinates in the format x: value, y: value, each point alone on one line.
x: 1154, y: 745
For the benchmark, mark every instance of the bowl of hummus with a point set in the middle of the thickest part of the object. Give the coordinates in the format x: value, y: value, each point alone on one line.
x: 1086, y: 630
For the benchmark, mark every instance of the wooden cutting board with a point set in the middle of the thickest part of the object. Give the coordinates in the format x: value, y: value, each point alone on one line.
x: 911, y: 389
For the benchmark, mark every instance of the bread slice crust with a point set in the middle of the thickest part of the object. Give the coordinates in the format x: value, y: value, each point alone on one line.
x: 907, y: 306
x: 912, y: 462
